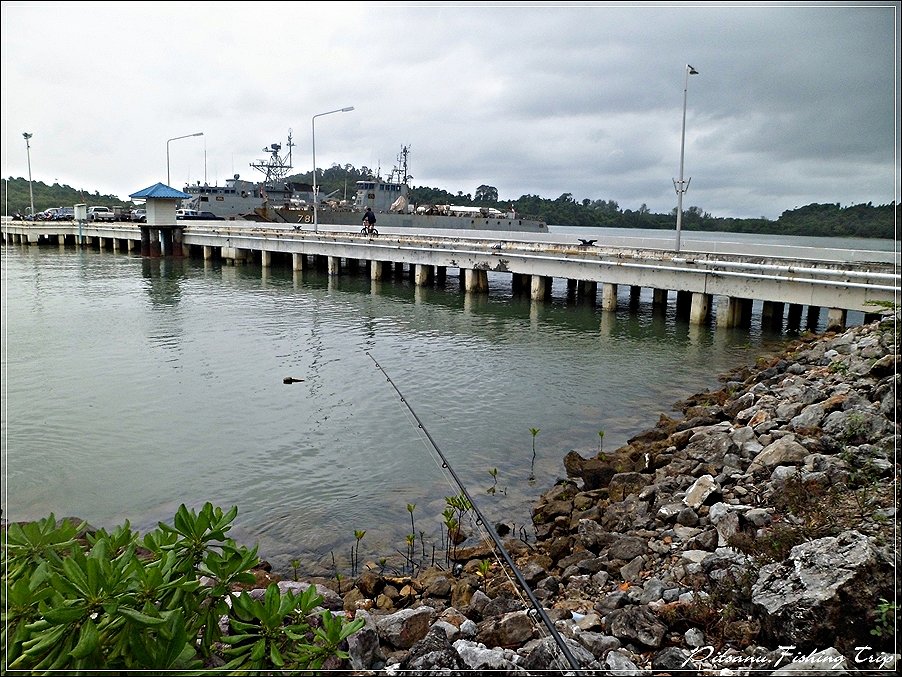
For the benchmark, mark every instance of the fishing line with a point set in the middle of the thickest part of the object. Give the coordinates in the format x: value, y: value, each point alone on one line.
x: 486, y: 526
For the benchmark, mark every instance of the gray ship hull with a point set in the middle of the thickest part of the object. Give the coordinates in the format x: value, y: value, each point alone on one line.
x: 350, y: 218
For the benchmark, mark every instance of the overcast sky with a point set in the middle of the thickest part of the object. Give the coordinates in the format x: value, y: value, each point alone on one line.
x: 794, y: 103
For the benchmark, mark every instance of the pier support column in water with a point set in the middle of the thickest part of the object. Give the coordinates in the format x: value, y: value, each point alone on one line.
x: 683, y: 303
x: 145, y: 241
x: 836, y: 319
x: 814, y: 316
x: 700, y: 308
x: 571, y: 288
x: 377, y: 270
x: 539, y: 288
x: 334, y: 265
x: 177, y: 244
x: 608, y: 296
x: 156, y: 247
x: 772, y: 315
x: 476, y: 280
x: 729, y: 312
x: 635, y: 293
x: 587, y: 291
x: 422, y: 274
x: 659, y: 300
x: 794, y: 316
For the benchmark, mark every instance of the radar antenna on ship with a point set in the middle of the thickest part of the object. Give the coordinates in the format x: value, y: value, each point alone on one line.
x: 277, y: 166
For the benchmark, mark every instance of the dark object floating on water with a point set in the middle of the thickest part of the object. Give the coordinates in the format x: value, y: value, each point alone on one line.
x: 586, y: 243
x: 291, y: 379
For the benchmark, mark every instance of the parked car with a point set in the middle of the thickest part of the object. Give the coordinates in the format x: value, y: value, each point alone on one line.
x: 101, y: 214
x: 139, y: 215
x: 186, y: 214
x: 64, y: 214
x: 194, y: 215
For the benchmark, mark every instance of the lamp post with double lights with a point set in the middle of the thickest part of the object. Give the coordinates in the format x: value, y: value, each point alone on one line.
x: 28, y: 136
x: 176, y: 138
x: 681, y: 186
x: 313, y: 147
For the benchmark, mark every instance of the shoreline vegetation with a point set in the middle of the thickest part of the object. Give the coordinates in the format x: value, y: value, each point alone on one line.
x: 813, y: 220
x: 758, y: 532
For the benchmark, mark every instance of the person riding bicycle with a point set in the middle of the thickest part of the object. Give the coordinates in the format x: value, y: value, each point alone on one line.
x: 369, y: 219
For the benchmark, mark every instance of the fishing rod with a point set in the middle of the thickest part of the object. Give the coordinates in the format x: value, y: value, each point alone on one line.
x: 489, y: 529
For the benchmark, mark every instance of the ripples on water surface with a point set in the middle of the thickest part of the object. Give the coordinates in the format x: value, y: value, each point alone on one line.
x: 132, y: 385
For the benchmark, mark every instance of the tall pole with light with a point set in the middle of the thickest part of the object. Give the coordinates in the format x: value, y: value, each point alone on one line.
x: 28, y: 136
x: 313, y: 147
x: 176, y: 138
x: 681, y: 186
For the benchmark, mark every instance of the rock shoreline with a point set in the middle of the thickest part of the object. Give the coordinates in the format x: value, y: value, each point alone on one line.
x: 757, y: 534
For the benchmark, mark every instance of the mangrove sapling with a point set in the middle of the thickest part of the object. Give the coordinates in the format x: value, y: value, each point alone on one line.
x: 355, y: 552
x: 532, y: 466
x: 451, y: 525
x: 483, y: 572
x: 411, y: 541
x: 410, y: 508
x: 492, y: 489
x: 600, y: 441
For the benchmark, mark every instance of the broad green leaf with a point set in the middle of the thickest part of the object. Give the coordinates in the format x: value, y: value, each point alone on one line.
x: 276, y: 656
x: 65, y: 615
x: 88, y: 640
x: 140, y: 618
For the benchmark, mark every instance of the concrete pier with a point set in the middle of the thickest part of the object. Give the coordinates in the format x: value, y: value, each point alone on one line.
x: 706, y: 286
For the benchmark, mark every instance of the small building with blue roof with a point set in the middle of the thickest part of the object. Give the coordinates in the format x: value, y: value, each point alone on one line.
x: 161, y: 203
x: 162, y: 234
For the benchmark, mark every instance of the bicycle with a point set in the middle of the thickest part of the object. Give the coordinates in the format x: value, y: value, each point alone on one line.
x: 369, y: 229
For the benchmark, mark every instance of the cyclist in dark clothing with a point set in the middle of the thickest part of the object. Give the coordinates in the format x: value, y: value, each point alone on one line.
x: 369, y: 223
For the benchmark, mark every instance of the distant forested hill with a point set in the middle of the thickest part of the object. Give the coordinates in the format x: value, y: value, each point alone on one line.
x: 45, y: 197
x: 819, y: 220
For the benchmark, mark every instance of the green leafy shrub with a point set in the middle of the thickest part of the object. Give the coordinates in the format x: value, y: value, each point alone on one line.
x: 118, y: 601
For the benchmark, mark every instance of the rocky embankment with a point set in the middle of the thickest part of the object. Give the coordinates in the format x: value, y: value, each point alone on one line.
x: 755, y: 534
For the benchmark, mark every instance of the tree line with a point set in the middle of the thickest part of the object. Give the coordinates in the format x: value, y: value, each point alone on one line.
x: 818, y: 220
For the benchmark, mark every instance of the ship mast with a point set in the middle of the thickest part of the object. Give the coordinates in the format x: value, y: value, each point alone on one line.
x: 401, y: 168
x: 277, y: 166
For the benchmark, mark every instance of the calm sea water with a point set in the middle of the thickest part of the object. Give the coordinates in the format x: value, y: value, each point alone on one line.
x: 133, y: 385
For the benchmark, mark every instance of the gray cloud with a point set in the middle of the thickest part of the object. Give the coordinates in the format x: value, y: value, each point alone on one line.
x: 793, y: 104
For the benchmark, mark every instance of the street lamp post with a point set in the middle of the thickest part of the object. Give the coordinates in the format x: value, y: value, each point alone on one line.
x: 27, y: 136
x: 681, y: 186
x: 176, y: 138
x: 313, y: 147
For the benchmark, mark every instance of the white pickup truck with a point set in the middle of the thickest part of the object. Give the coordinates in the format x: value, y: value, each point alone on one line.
x: 101, y: 214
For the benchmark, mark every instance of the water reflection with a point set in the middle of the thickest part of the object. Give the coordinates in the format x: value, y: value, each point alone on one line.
x: 163, y: 277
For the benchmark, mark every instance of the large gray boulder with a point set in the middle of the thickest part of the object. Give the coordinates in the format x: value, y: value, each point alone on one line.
x: 822, y: 596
